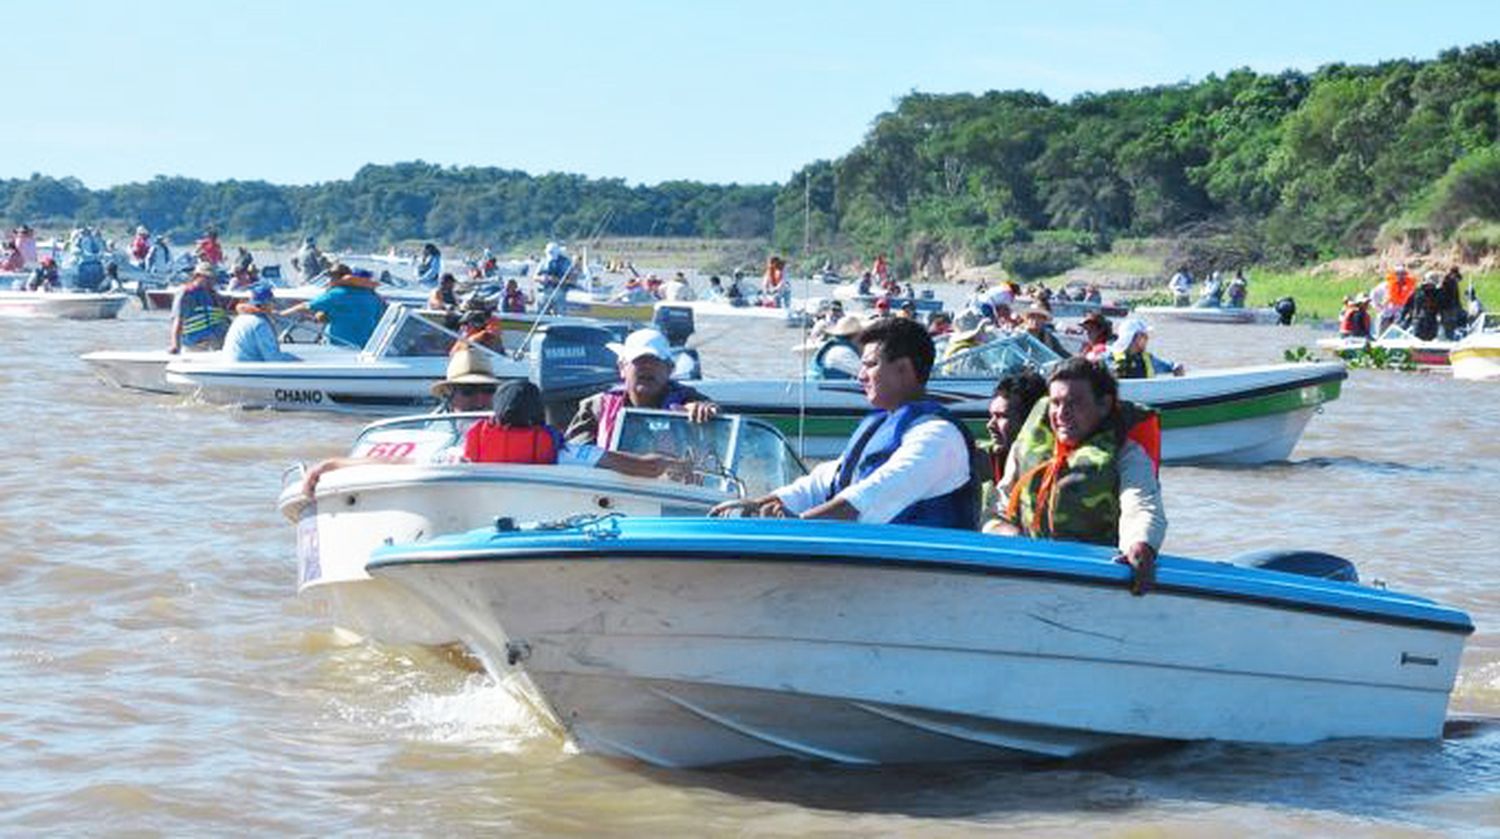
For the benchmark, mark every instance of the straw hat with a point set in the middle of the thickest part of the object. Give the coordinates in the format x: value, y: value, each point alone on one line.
x: 846, y: 327
x: 466, y: 367
x: 1039, y: 312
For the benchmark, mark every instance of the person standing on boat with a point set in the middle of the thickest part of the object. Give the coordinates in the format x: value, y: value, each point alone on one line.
x: 1130, y: 359
x: 1450, y: 304
x: 140, y: 246
x: 208, y: 248
x: 350, y: 306
x: 1182, y: 287
x: 1238, y: 288
x: 908, y: 462
x: 159, y: 257
x: 646, y: 373
x: 429, y: 265
x: 25, y: 240
x: 1083, y: 469
x: 308, y: 261
x: 199, y: 315
x: 251, y: 335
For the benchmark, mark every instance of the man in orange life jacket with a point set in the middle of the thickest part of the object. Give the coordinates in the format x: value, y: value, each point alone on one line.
x: 1083, y: 468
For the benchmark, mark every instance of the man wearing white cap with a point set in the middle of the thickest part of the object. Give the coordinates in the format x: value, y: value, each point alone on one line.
x: 646, y: 382
x: 1129, y: 358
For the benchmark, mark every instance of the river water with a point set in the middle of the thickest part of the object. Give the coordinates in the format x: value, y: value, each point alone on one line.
x: 160, y: 675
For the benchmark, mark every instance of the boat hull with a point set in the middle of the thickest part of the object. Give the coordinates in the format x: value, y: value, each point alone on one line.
x: 67, y: 305
x: 1208, y: 314
x: 1240, y: 416
x: 906, y: 647
x: 361, y: 508
x: 1477, y: 358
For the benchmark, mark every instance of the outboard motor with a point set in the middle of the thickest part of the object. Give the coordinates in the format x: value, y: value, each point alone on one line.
x: 674, y: 322
x: 88, y: 276
x: 1286, y: 309
x: 271, y: 273
x: 571, y: 361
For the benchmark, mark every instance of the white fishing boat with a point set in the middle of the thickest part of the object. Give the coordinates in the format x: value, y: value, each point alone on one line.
x: 1235, y: 415
x: 68, y: 305
x: 146, y: 370
x: 1209, y: 314
x: 395, y: 370
x: 359, y: 508
x: 1477, y: 355
x: 1395, y: 347
x: 691, y: 642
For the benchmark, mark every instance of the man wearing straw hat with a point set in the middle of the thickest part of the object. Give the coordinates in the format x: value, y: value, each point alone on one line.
x: 838, y: 357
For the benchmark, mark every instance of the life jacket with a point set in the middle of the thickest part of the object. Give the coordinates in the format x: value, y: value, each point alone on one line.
x: 612, y: 401
x: 210, y: 251
x: 1399, y: 285
x: 1078, y: 499
x: 1129, y: 365
x: 139, y: 246
x: 879, y: 435
x: 489, y: 335
x: 203, y: 319
x: 489, y: 442
x: 515, y: 302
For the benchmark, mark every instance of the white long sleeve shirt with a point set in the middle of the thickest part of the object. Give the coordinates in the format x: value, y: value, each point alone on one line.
x: 932, y: 460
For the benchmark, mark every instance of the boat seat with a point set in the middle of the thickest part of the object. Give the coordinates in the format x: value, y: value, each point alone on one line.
x: 1307, y: 563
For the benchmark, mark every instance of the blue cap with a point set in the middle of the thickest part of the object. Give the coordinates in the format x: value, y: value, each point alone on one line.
x: 261, y: 294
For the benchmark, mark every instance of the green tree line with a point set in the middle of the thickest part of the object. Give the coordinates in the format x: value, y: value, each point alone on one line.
x: 403, y: 202
x: 1294, y: 167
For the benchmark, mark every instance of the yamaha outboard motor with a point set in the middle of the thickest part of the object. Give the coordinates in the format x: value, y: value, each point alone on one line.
x: 1286, y: 309
x: 674, y: 322
x: 570, y: 362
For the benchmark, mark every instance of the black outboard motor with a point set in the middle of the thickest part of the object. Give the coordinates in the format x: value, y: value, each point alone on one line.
x: 1286, y: 309
x: 674, y: 322
x: 570, y: 362
x: 87, y: 276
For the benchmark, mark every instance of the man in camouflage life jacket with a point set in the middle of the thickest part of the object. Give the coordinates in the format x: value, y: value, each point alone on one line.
x: 1083, y: 469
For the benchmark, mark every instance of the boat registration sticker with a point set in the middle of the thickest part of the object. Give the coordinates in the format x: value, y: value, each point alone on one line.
x: 309, y: 566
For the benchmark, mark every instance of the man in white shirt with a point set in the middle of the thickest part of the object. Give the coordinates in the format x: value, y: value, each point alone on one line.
x: 908, y: 462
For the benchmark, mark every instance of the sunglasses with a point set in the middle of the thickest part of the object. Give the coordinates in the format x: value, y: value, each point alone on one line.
x: 473, y: 390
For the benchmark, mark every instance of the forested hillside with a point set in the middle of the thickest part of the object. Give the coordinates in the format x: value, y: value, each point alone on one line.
x: 403, y: 202
x: 1288, y: 167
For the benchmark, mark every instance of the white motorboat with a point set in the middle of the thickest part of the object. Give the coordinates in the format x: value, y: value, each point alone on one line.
x: 1210, y: 314
x: 1235, y: 415
x: 394, y: 372
x: 690, y: 642
x: 1477, y: 355
x: 1395, y: 347
x: 146, y: 370
x: 69, y: 305
x: 362, y: 507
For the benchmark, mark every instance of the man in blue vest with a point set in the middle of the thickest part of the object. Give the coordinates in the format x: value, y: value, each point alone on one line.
x: 908, y: 462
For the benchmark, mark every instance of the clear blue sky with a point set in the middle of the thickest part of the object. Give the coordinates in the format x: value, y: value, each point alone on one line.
x: 308, y: 91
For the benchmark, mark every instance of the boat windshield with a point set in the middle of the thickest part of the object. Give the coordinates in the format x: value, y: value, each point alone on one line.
x: 727, y: 449
x: 997, y: 357
x: 403, y: 333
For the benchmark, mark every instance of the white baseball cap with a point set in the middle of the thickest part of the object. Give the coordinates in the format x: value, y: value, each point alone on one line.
x: 643, y: 342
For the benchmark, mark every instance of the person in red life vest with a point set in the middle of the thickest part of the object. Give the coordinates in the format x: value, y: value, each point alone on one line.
x: 882, y: 269
x: 909, y: 461
x: 208, y: 248
x: 646, y: 372
x: 1354, y: 322
x: 140, y: 246
x: 517, y: 432
x: 1083, y: 468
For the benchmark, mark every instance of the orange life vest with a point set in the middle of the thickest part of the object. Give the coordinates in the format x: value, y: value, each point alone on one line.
x: 489, y: 442
x: 1399, y: 286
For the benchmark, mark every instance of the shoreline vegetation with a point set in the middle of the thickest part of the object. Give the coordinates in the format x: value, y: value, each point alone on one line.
x: 1288, y: 175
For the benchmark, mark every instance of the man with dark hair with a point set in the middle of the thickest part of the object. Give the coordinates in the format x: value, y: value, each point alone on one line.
x: 908, y: 462
x: 1083, y: 468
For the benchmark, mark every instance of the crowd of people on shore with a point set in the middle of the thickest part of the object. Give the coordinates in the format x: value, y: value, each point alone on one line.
x: 1426, y: 308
